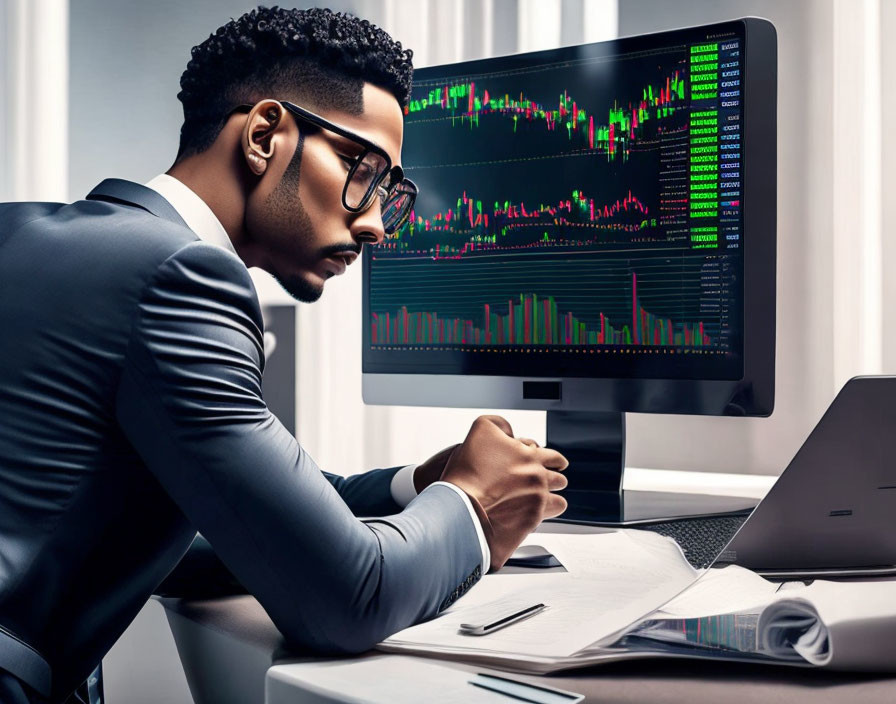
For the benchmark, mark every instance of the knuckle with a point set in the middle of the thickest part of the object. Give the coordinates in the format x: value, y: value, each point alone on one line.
x: 528, y: 453
x: 539, y: 504
x: 535, y: 480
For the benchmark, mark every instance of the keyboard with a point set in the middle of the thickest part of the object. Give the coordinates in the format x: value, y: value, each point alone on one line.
x: 701, y: 539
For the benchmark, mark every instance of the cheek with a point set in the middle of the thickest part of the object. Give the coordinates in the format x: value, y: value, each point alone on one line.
x: 262, y: 218
x: 321, y: 187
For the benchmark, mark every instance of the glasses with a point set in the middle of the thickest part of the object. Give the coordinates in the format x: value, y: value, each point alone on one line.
x: 371, y: 174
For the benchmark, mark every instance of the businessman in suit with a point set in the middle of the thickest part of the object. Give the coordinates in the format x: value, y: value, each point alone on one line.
x: 131, y: 413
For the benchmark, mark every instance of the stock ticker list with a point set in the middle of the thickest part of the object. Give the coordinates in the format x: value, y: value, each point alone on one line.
x: 585, y: 205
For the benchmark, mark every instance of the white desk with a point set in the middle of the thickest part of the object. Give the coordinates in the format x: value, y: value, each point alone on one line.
x: 229, y: 647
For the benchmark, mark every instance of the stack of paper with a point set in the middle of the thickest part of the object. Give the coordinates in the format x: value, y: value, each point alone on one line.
x: 840, y: 625
x: 631, y: 593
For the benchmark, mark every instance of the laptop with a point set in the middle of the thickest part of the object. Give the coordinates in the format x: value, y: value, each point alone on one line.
x: 832, y: 511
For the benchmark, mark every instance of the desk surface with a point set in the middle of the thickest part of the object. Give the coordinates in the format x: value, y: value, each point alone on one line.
x: 229, y: 645
x: 680, y: 681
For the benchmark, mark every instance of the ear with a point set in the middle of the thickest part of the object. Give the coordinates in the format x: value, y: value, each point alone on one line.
x: 263, y: 124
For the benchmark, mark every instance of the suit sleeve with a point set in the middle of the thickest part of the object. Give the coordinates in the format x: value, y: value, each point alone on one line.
x: 189, y: 400
x: 369, y: 493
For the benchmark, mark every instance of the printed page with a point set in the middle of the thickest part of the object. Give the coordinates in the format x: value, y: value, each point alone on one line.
x: 613, y: 580
x: 726, y: 590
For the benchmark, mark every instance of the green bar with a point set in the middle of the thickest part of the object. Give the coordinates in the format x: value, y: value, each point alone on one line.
x: 535, y: 339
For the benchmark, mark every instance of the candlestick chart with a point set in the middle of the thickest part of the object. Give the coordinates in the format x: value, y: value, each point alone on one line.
x: 584, y: 204
x: 470, y: 225
x: 622, y: 126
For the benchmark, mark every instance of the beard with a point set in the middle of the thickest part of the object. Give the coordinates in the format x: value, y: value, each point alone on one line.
x: 300, y: 289
x: 286, y: 207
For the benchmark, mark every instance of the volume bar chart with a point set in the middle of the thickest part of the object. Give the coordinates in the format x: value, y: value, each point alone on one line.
x: 533, y: 321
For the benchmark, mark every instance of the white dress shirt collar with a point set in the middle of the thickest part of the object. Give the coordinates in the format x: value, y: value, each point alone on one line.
x: 194, y: 211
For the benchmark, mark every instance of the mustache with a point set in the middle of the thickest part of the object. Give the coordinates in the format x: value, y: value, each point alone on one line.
x: 334, y: 249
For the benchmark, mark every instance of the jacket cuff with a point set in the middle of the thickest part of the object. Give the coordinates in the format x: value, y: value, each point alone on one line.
x: 481, y: 524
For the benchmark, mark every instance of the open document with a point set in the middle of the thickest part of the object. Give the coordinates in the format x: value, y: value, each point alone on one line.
x: 631, y: 593
x: 612, y: 580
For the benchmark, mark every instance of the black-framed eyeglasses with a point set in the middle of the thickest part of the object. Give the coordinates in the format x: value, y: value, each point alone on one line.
x: 371, y: 174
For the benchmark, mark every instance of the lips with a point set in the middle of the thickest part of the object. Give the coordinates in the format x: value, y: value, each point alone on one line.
x: 348, y: 257
x: 335, y: 264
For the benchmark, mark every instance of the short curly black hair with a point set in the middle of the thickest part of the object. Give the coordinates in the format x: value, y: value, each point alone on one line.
x: 316, y: 55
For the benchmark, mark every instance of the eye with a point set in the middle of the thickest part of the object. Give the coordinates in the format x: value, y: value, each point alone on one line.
x: 348, y: 160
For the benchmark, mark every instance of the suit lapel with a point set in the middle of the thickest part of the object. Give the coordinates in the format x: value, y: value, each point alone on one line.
x: 118, y: 190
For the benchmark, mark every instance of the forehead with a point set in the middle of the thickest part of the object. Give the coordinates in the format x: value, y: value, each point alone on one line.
x: 381, y: 121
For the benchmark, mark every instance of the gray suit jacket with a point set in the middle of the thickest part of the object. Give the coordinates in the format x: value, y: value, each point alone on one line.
x: 131, y: 416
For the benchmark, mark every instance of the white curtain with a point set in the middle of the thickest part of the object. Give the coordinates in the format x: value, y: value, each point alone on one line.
x: 33, y: 99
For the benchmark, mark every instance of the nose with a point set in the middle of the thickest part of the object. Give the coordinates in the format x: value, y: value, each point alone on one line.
x: 367, y: 227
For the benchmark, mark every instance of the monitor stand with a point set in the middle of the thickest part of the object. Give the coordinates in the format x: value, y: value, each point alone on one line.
x: 594, y: 444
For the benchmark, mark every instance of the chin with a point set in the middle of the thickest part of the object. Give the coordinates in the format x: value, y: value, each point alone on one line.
x: 302, y: 289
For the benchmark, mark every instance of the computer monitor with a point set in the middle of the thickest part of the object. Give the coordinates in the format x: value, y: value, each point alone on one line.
x: 594, y: 235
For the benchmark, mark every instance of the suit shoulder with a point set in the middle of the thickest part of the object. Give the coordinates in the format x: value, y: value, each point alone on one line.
x: 124, y: 229
x: 15, y: 215
x: 112, y: 250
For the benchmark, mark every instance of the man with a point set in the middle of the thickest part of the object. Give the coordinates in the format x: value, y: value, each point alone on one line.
x: 131, y: 413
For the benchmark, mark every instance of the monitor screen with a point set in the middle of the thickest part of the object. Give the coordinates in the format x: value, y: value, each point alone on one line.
x: 582, y: 213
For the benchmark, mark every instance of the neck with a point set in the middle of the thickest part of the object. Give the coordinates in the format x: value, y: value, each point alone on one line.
x: 214, y: 177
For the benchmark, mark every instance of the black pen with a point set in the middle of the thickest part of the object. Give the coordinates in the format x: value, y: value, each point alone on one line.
x: 471, y: 629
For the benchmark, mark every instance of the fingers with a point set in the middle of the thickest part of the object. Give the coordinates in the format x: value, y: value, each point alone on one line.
x: 555, y: 506
x: 551, y: 459
x: 557, y: 481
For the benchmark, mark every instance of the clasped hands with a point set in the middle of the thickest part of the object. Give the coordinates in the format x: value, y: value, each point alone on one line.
x: 509, y: 481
